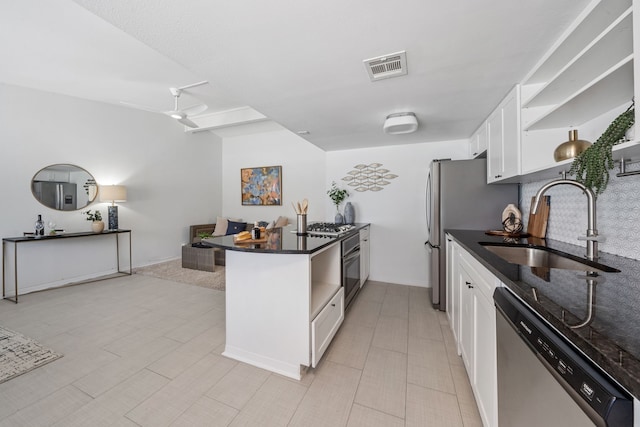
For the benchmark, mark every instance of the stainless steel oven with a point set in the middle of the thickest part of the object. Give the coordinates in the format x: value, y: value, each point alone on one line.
x: 351, y: 267
x: 544, y: 380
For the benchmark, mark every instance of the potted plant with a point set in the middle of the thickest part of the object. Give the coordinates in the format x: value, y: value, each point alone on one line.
x: 337, y: 196
x: 97, y: 225
x: 592, y: 166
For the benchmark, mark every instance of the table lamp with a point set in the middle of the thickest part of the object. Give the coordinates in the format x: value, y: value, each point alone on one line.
x: 113, y: 194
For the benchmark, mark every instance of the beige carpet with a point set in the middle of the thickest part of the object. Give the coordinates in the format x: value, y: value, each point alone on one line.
x: 172, y: 270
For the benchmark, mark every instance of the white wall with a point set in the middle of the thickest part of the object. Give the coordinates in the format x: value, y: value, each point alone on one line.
x: 173, y: 178
x: 269, y: 144
x: 397, y: 213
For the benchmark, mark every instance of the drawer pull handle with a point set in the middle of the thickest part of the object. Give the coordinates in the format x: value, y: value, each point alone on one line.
x: 469, y: 285
x: 333, y: 305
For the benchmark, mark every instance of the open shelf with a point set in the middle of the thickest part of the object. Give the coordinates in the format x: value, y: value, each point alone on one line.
x: 586, y: 73
x: 588, y: 27
x: 613, y: 46
x: 612, y: 88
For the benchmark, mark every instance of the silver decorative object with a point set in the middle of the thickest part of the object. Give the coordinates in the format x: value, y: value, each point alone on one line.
x: 369, y: 177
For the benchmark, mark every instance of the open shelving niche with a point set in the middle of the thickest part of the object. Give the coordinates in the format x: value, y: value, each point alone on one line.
x: 325, y: 278
x: 584, y: 82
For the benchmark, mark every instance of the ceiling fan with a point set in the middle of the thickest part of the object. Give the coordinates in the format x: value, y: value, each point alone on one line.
x: 180, y: 114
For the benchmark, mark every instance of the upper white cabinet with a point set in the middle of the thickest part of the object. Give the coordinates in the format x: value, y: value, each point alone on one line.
x: 503, y: 138
x: 583, y: 82
x: 478, y: 141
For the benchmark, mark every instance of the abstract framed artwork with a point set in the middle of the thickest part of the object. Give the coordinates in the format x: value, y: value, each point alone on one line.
x: 261, y: 186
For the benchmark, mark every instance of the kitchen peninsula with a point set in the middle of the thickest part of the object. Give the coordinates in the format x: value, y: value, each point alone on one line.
x: 284, y: 298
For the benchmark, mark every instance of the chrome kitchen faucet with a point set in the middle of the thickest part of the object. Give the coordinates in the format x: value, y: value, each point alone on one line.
x: 592, y: 232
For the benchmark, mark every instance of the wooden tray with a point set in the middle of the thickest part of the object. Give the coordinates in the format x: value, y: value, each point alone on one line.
x: 262, y: 239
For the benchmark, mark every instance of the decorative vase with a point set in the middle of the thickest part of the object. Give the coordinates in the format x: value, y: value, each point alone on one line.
x: 338, y: 219
x: 97, y: 226
x: 349, y: 213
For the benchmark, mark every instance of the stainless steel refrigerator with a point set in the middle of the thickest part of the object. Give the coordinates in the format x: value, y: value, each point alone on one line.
x: 458, y: 197
x: 56, y: 195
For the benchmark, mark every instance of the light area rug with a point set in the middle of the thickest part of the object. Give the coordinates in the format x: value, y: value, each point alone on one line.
x: 20, y: 354
x: 172, y: 270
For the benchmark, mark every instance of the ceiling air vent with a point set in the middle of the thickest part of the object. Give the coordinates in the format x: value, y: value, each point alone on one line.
x: 383, y: 67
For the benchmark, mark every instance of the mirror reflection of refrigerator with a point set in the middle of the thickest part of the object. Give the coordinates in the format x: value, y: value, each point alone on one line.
x: 458, y: 197
x: 56, y: 195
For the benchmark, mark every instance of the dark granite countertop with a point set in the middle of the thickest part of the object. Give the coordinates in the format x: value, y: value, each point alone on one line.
x: 281, y: 241
x: 612, y: 339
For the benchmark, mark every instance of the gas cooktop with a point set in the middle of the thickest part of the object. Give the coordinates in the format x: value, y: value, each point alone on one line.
x: 328, y: 229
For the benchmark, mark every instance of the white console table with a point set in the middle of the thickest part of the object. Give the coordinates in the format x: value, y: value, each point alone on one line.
x: 19, y: 241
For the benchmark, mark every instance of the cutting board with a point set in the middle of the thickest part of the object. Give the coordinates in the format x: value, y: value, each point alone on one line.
x: 537, y: 226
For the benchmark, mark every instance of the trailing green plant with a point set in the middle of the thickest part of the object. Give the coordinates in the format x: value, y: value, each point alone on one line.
x: 204, y: 235
x: 95, y: 216
x: 337, y: 195
x: 592, y: 166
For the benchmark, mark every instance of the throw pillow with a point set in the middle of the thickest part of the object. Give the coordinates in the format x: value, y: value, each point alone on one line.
x: 235, y: 227
x: 221, y: 226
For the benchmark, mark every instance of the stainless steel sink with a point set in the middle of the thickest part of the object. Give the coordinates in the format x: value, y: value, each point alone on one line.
x: 540, y: 256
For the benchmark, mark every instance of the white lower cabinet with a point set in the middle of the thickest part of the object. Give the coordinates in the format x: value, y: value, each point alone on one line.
x: 325, y: 326
x: 476, y: 334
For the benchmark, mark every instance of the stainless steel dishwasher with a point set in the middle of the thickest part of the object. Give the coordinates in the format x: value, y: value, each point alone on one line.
x: 544, y: 380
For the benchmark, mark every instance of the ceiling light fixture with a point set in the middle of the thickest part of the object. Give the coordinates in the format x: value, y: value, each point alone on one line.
x: 399, y: 123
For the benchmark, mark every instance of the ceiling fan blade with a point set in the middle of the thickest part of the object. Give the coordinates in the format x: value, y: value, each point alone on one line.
x: 193, y: 85
x: 176, y: 114
x: 188, y: 123
x: 194, y: 110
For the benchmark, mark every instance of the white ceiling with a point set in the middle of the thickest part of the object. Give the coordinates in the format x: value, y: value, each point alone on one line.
x: 297, y: 62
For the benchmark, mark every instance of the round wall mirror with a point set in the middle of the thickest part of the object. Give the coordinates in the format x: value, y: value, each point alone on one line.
x: 64, y: 187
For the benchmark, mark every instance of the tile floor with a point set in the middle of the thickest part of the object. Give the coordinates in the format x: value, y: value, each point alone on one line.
x: 141, y: 351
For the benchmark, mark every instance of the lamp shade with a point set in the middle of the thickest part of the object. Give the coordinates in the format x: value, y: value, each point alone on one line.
x: 570, y: 148
x: 113, y: 193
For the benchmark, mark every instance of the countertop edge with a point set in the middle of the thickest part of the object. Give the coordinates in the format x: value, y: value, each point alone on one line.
x: 628, y: 377
x: 251, y: 247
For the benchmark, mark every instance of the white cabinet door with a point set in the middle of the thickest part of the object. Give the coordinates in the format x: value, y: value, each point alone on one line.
x: 467, y: 315
x: 511, y: 135
x: 485, y: 368
x: 477, y: 331
x: 325, y: 326
x: 503, y: 139
x: 478, y: 142
x: 453, y: 290
x: 494, y: 146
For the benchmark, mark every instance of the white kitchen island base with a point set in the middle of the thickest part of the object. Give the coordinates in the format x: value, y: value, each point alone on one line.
x: 282, y: 309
